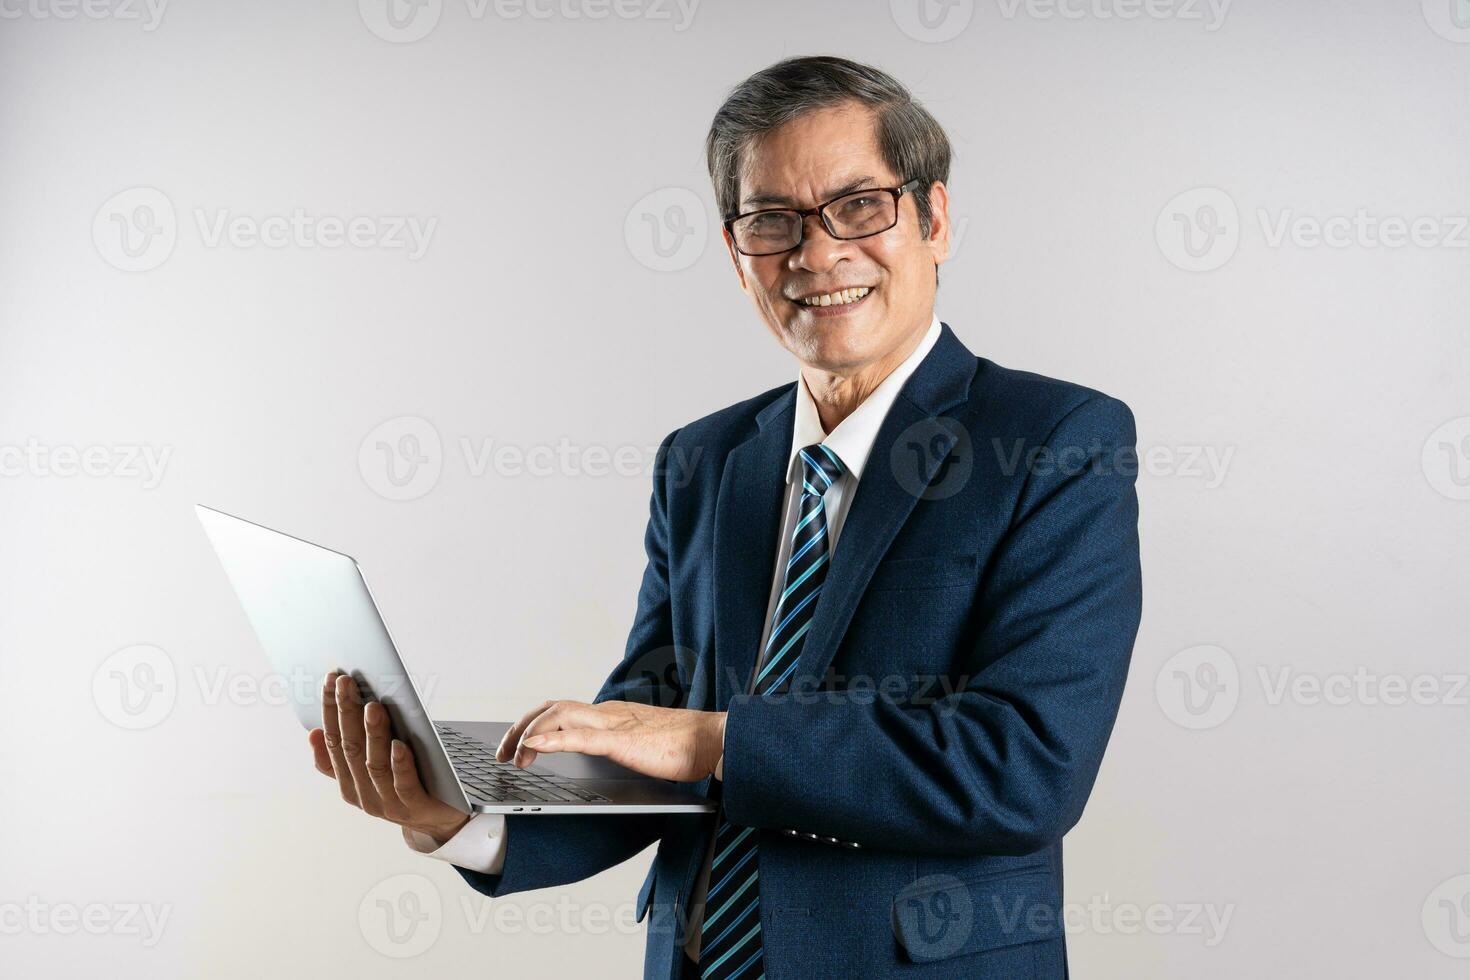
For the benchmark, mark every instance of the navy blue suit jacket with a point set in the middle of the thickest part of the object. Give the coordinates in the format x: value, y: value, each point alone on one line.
x: 950, y: 707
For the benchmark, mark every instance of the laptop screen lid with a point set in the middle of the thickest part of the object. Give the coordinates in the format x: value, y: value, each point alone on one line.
x: 312, y: 611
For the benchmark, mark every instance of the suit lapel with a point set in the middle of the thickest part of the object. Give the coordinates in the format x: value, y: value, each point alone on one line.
x: 881, y: 503
x: 747, y: 532
x: 748, y: 519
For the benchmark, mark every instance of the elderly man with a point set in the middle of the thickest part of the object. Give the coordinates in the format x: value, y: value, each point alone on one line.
x: 907, y: 584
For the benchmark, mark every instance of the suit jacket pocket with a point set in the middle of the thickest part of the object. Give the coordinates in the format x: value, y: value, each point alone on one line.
x: 928, y: 572
x: 940, y: 916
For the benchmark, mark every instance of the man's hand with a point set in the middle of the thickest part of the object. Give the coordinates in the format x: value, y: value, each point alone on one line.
x: 668, y: 743
x: 374, y: 771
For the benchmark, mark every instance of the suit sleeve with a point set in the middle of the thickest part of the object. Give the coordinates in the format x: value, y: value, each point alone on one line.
x: 541, y: 852
x: 1004, y: 765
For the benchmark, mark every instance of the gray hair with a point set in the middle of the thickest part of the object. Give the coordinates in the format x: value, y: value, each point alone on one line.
x: 912, y: 142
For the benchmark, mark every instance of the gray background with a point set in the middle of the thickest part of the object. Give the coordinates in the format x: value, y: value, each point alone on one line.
x: 1330, y: 383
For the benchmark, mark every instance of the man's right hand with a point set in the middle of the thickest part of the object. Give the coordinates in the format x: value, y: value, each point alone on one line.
x: 375, y: 772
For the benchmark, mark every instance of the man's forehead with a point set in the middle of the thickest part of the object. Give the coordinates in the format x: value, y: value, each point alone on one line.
x: 820, y: 155
x: 834, y: 186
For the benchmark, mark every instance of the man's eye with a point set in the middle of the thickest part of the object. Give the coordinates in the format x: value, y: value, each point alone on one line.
x: 857, y: 205
x: 769, y: 224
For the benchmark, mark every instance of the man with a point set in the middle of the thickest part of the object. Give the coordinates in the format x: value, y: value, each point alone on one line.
x: 901, y: 595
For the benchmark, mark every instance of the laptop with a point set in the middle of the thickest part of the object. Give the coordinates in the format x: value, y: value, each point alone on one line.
x: 312, y: 611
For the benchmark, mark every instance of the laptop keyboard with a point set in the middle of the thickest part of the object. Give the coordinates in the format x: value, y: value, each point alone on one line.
x: 504, y: 782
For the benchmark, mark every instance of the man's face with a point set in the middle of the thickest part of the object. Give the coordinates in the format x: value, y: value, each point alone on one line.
x: 804, y: 163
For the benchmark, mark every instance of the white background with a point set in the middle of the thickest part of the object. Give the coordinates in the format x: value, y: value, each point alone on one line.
x: 1329, y: 542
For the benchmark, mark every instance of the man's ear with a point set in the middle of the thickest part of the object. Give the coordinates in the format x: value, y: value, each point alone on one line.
x: 939, y: 226
x: 734, y: 255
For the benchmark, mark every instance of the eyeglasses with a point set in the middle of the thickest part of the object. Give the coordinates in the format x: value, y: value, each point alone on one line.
x: 856, y: 214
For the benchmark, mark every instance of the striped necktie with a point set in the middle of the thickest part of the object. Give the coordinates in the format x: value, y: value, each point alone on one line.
x: 730, y: 944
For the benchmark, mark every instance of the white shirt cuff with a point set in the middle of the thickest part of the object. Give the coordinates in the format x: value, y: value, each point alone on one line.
x: 478, y: 846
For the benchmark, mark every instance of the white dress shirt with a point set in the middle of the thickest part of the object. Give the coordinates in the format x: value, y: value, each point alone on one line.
x: 480, y: 844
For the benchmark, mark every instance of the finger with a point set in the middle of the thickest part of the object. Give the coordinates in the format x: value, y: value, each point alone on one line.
x: 379, y: 769
x: 505, y: 751
x: 332, y: 735
x: 561, y: 714
x: 354, y: 743
x: 627, y: 749
x: 406, y: 778
x: 586, y: 740
x: 568, y: 714
x: 323, y: 761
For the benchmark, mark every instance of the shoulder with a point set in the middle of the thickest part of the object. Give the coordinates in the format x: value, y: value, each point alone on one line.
x: 694, y: 453
x: 1038, y: 408
x: 731, y: 425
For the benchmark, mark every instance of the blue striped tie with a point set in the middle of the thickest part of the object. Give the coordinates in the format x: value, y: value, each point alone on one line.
x: 730, y: 944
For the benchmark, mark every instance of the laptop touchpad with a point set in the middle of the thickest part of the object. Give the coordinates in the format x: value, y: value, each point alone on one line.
x: 579, y: 766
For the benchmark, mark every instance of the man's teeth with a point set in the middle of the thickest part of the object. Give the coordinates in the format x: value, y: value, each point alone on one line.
x: 839, y: 297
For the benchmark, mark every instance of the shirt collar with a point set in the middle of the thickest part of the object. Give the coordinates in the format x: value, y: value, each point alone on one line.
x: 852, y: 440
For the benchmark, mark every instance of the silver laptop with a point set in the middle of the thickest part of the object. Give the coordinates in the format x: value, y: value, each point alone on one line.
x: 312, y: 612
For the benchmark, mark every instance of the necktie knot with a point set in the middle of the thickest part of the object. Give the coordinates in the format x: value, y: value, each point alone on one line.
x: 820, y: 467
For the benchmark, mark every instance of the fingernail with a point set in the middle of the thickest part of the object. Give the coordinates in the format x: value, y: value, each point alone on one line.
x: 397, y: 749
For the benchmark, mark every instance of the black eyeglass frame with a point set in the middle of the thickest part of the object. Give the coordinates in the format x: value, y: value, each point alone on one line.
x: 820, y: 211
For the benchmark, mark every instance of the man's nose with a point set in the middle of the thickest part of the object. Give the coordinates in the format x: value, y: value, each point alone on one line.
x: 818, y: 251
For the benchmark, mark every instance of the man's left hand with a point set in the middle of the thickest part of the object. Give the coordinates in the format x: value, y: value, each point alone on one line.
x: 667, y: 743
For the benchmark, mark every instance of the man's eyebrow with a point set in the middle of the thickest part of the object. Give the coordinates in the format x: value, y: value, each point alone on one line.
x: 762, y: 198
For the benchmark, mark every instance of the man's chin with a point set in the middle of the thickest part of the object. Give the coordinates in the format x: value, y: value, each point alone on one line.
x: 835, y: 356
x: 842, y: 342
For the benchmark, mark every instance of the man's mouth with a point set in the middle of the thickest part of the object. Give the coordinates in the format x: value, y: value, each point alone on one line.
x: 836, y: 302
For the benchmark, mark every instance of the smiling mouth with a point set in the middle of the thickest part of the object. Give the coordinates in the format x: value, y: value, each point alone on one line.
x: 835, y: 303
